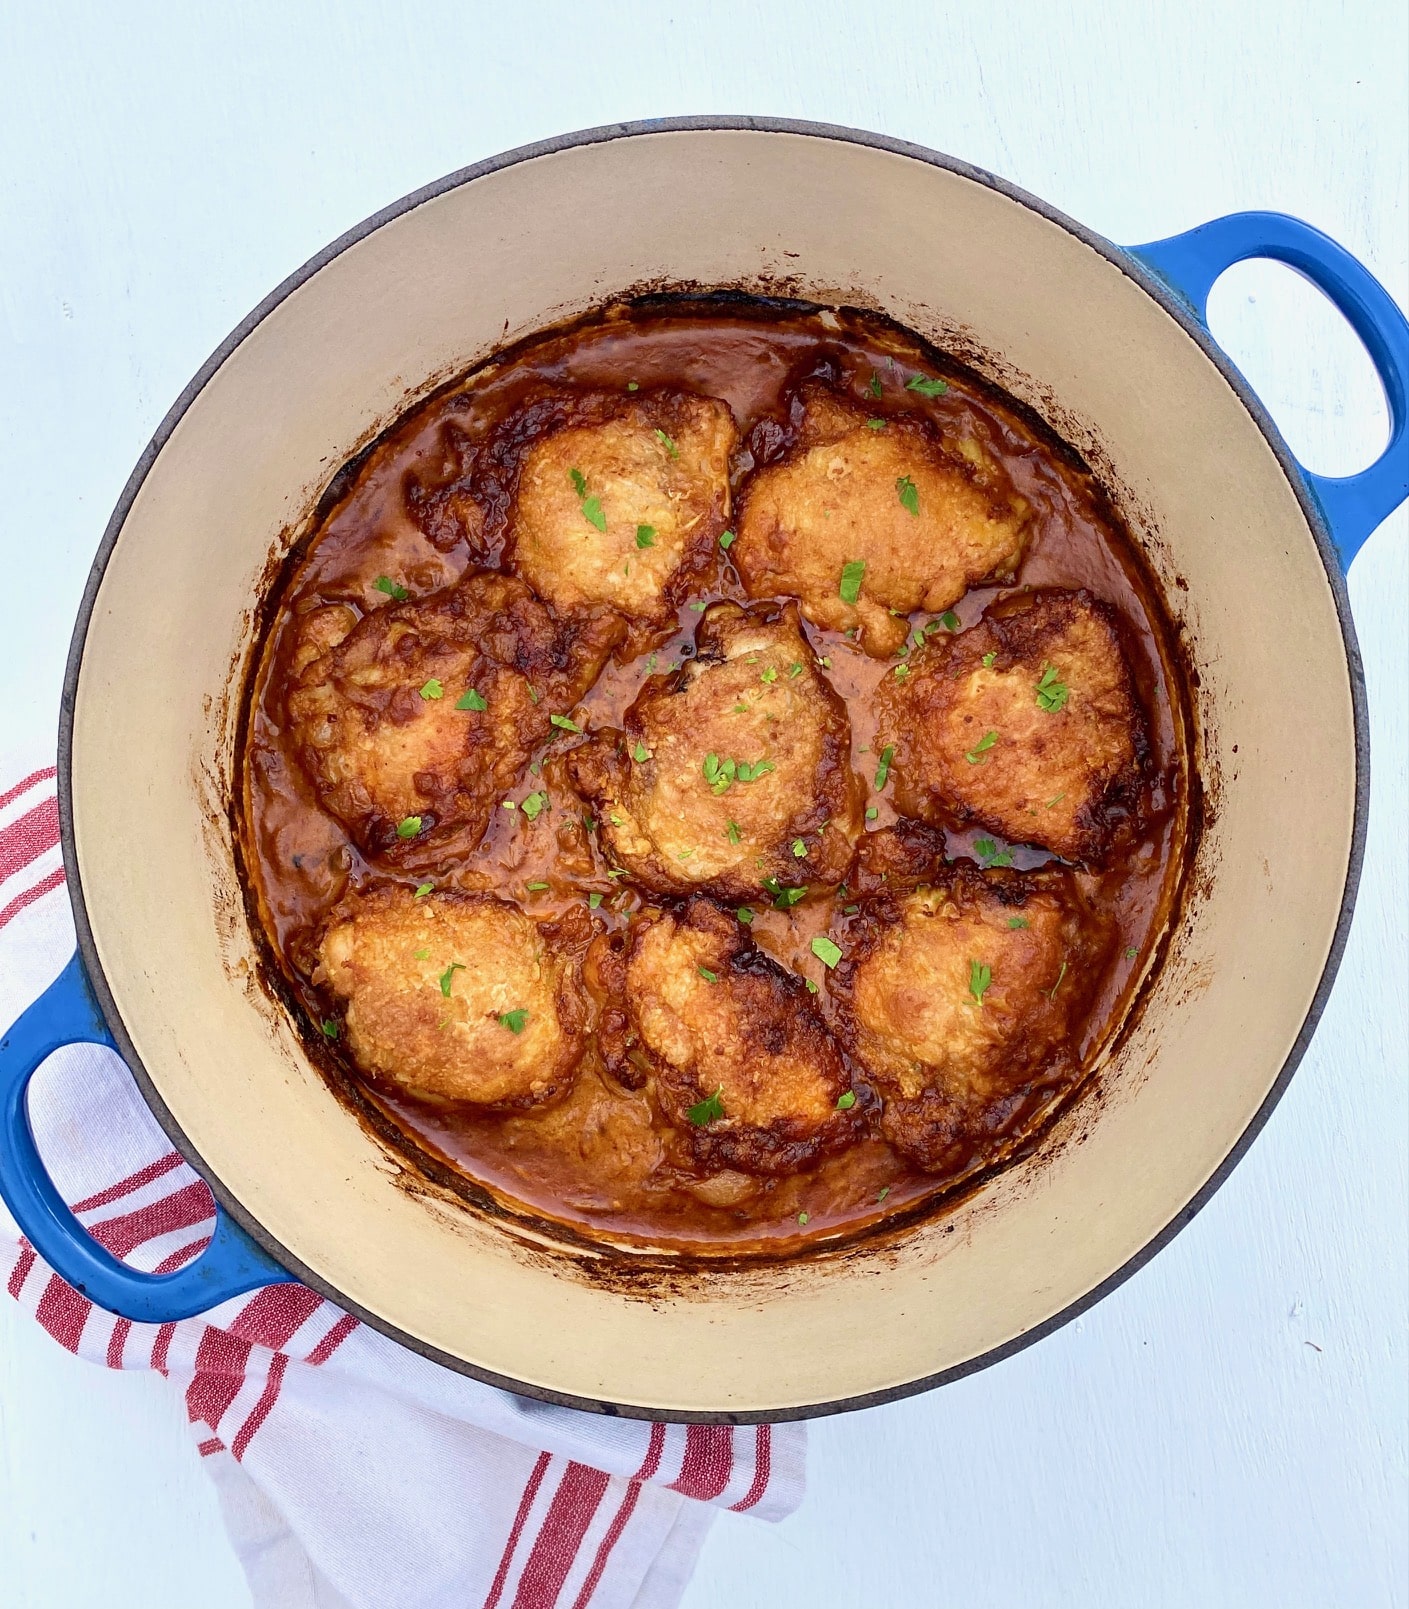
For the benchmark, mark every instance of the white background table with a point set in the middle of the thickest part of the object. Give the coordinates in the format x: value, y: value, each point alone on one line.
x: 1228, y: 1429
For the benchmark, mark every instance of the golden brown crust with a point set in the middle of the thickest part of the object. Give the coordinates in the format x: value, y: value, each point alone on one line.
x: 675, y: 804
x: 953, y: 1048
x: 836, y: 499
x: 381, y: 752
x: 699, y: 1010
x: 455, y: 997
x: 609, y: 499
x: 977, y: 741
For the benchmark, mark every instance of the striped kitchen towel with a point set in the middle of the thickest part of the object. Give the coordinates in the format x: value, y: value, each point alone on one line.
x: 352, y: 1473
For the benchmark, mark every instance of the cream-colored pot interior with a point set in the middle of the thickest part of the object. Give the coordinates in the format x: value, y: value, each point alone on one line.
x: 432, y: 290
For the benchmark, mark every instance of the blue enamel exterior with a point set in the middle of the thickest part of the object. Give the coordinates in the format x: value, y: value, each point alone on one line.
x: 1190, y: 263
x: 67, y: 1014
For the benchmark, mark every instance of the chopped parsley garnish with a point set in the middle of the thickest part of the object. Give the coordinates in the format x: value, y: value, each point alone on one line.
x: 563, y: 724
x: 1017, y: 921
x: 825, y: 950
x: 901, y: 672
x: 850, y: 910
x: 871, y: 812
x: 783, y: 898
x: 408, y: 826
x: 579, y: 482
x: 645, y: 536
x: 448, y: 975
x: 846, y: 1100
x: 794, y: 670
x: 883, y: 769
x: 720, y: 774
x: 533, y: 692
x: 873, y: 385
x: 707, y: 975
x: 593, y: 901
x: 988, y: 659
x: 513, y: 1020
x: 949, y: 620
x: 909, y: 495
x: 811, y: 986
x: 925, y: 386
x: 885, y: 1191
x: 751, y: 773
x: 422, y: 889
x: 471, y: 700
x: 740, y: 709
x: 799, y: 849
x: 685, y: 854
x: 980, y: 976
x: 615, y: 819
x: 744, y: 914
x: 1055, y: 800
x: 1052, y: 691
x: 1131, y: 952
x: 640, y: 753
x: 984, y: 744
x: 1061, y: 973
x: 535, y: 888
x: 875, y: 424
x: 709, y: 1110
x: 667, y: 443
x: 592, y: 512
x: 420, y: 955
x: 700, y: 605
x: 727, y: 540
x: 769, y: 675
x: 802, y: 1218
x: 989, y: 853
x: 330, y: 1027
x: 732, y: 832
x: 393, y: 589
x: 432, y: 689
x: 851, y: 574
x: 533, y: 805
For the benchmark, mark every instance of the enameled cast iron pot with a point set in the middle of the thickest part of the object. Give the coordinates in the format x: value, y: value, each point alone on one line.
x: 1110, y: 346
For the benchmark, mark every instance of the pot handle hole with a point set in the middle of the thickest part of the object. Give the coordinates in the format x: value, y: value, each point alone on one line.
x: 67, y: 1014
x: 1353, y: 505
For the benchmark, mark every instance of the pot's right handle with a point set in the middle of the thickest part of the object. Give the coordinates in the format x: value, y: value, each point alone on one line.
x: 67, y: 1014
x: 1189, y: 264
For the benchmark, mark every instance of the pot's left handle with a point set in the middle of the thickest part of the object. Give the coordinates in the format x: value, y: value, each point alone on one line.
x: 1190, y: 263
x: 66, y: 1014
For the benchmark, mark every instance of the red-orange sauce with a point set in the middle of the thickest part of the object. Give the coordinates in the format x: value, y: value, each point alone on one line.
x: 595, y: 1162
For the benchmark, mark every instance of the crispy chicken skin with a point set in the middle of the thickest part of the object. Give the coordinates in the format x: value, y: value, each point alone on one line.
x: 928, y: 516
x: 699, y: 1009
x: 1026, y: 724
x: 379, y: 728
x: 614, y: 499
x: 953, y: 1049
x: 457, y: 997
x: 677, y: 804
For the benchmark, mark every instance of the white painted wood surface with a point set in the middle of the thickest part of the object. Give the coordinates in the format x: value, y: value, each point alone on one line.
x: 1229, y: 1429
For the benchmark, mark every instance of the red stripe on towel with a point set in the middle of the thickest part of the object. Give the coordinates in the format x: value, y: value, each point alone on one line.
x: 609, y: 1541
x: 261, y: 1410
x: 28, y: 837
x: 530, y: 1491
x: 45, y: 885
x: 11, y: 794
x: 762, y: 1469
x: 133, y: 1181
x: 576, y: 1501
x: 709, y: 1462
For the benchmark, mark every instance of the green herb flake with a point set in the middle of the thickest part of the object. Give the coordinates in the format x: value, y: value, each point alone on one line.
x: 579, y: 482
x: 707, y: 975
x: 1052, y: 691
x: 1017, y: 921
x: 615, y: 819
x: 980, y: 976
x: 448, y: 975
x: 751, y: 773
x: 825, y: 950
x: 645, y: 536
x: 794, y: 670
x: 535, y: 888
x: 799, y: 849
x: 631, y: 385
x: 846, y: 1100
x: 532, y: 807
x: 744, y: 914
x: 909, y: 495
x: 984, y: 744
x: 432, y: 689
x: 421, y: 955
x: 513, y: 1020
x: 422, y: 889
x: 1061, y: 973
x: 811, y: 986
x: 471, y: 700
x: 850, y: 910
x: 667, y: 443
x: 1055, y: 800
x: 510, y: 804
x: 727, y: 540
x: 709, y: 1110
x: 770, y: 675
x: 884, y: 1192
x: 851, y: 576
x: 783, y: 898
x: 1131, y: 952
x: 871, y: 812
x: 925, y: 386
x: 873, y: 385
x: 901, y: 672
x: 330, y: 1027
x: 949, y: 620
x: 640, y: 753
x: 592, y: 512
x: 564, y: 724
x: 593, y: 901
x: 989, y: 854
x: 616, y: 871
x: 875, y: 424
x: 988, y: 659
x: 803, y: 1219
x: 883, y: 769
x: 732, y: 832
x: 533, y: 692
x: 408, y: 826
x: 393, y: 589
